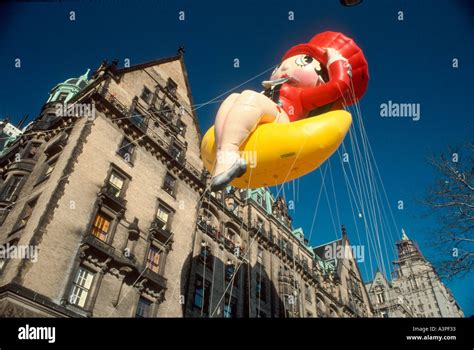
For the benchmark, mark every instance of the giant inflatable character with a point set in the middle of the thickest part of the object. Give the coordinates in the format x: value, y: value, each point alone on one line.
x: 295, y: 124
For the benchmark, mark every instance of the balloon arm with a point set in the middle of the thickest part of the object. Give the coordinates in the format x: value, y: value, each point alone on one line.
x: 329, y: 92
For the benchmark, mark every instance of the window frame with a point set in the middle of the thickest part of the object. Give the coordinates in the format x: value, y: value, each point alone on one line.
x: 89, y: 290
x: 161, y: 257
x: 149, y: 93
x: 105, y: 216
x: 172, y: 189
x: 132, y: 154
x: 161, y: 204
x: 206, y: 285
x: 19, y: 225
x: 171, y: 87
x: 149, y: 304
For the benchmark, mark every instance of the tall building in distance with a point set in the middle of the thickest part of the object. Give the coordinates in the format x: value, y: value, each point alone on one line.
x: 416, y: 289
x: 8, y: 134
x: 105, y: 212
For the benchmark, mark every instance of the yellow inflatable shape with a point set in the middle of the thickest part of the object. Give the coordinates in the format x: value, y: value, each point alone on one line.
x: 276, y: 153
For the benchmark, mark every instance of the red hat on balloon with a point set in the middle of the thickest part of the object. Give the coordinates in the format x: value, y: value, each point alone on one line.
x: 316, y: 48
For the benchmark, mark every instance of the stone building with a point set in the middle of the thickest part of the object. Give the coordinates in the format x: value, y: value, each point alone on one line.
x: 248, y: 261
x: 416, y: 289
x: 104, y: 212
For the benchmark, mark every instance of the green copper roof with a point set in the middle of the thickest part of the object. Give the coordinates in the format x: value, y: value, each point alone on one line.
x: 67, y: 89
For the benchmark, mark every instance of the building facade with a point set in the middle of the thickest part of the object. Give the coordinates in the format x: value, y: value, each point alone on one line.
x: 416, y: 289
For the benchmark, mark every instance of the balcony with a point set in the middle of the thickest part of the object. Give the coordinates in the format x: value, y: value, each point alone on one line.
x: 98, y: 244
x: 228, y: 244
x: 109, y: 197
x: 208, y: 229
x: 160, y: 232
x: 155, y: 277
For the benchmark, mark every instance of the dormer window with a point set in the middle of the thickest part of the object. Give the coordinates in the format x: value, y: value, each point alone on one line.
x: 146, y: 95
x: 181, y: 127
x: 62, y: 96
x: 171, y: 86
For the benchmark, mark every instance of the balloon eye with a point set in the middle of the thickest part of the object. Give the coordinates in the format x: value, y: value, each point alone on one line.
x: 303, y: 60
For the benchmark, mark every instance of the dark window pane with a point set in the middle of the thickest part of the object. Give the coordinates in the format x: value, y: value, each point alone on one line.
x: 143, y: 308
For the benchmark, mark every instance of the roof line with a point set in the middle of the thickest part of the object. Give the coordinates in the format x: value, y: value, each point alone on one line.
x: 148, y: 64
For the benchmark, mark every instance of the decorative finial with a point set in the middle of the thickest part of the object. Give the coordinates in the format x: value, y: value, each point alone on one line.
x: 404, y: 235
x: 181, y: 51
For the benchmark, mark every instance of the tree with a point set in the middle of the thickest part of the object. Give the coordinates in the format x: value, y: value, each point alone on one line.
x: 451, y: 200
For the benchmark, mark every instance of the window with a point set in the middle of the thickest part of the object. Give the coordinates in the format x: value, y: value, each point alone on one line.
x: 28, y: 211
x: 169, y: 184
x: 101, y: 226
x: 380, y: 297
x: 163, y: 215
x: 320, y: 307
x: 259, y: 254
x: 126, y: 150
x: 206, y: 256
x: 62, y: 96
x: 81, y: 287
x: 33, y: 151
x: 138, y: 119
x: 176, y: 152
x: 181, y: 127
x: 261, y: 288
x: 165, y: 110
x: 202, y: 292
x: 171, y: 86
x: 307, y: 293
x: 115, y: 184
x: 143, y: 308
x: 229, y: 271
x: 153, y: 259
x: 260, y: 224
x: 230, y: 307
x: 146, y: 95
x: 259, y: 199
x: 10, y: 192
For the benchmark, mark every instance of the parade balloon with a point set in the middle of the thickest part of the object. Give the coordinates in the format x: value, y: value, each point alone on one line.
x: 295, y: 124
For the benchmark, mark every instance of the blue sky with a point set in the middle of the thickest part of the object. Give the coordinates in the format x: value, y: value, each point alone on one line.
x: 410, y: 61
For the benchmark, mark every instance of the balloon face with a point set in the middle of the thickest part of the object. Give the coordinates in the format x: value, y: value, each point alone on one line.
x: 301, y: 69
